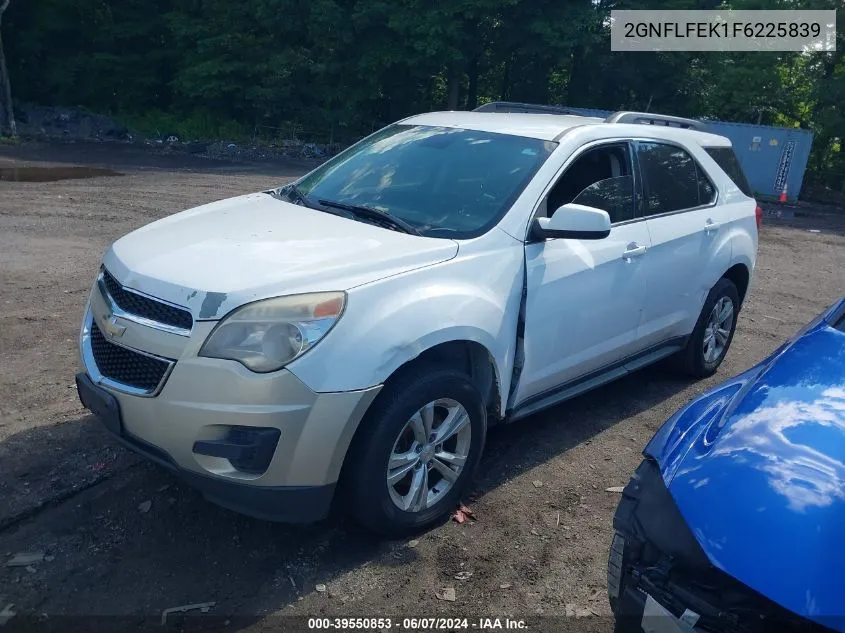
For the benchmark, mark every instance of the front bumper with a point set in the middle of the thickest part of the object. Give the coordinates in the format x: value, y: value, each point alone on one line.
x: 201, y: 401
x: 638, y: 612
x: 291, y: 504
x: 660, y: 580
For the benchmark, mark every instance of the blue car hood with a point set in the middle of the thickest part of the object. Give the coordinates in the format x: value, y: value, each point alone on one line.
x: 757, y: 469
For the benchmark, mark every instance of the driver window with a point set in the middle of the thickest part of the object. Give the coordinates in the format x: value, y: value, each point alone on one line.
x: 602, y: 178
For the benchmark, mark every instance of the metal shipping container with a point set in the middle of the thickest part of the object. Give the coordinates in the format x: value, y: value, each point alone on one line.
x: 770, y: 156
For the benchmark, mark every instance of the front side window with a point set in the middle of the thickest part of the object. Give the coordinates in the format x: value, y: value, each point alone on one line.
x: 444, y: 182
x: 601, y: 178
x: 671, y: 179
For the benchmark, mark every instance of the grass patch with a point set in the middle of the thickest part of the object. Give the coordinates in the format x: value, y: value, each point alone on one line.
x: 196, y: 126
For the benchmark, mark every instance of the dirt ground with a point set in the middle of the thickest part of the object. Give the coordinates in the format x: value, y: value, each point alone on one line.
x: 538, y: 547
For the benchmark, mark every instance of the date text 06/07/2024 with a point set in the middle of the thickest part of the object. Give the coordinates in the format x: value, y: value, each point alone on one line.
x: 417, y: 624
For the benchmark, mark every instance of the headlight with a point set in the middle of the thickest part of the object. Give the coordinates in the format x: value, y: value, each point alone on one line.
x: 266, y: 335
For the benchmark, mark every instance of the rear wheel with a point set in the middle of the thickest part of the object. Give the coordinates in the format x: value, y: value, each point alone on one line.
x: 713, y: 333
x: 416, y: 452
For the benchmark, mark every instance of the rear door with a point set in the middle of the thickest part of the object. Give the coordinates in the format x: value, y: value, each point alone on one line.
x: 689, y: 241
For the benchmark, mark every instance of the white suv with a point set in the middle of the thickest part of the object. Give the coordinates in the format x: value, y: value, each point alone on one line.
x: 352, y: 336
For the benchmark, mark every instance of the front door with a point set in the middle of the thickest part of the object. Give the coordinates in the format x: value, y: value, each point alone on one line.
x: 585, y: 297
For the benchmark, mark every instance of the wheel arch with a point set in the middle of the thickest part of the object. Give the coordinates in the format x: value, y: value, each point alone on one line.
x: 475, y: 360
x: 465, y: 355
x: 740, y: 275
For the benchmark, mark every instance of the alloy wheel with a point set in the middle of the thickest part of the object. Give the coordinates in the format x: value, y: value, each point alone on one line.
x: 429, y: 455
x: 717, y: 332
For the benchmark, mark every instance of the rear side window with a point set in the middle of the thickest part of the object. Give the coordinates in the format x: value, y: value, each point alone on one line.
x: 727, y: 160
x: 672, y: 179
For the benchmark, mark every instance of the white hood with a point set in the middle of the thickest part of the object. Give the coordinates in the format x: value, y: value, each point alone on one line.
x: 216, y: 257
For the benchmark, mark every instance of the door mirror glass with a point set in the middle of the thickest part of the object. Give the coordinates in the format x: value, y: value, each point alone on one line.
x: 573, y: 221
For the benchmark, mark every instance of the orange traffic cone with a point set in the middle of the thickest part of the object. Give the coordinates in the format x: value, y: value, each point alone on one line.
x: 782, y: 195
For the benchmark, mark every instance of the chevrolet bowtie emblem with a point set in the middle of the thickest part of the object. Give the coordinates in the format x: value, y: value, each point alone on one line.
x: 111, y: 326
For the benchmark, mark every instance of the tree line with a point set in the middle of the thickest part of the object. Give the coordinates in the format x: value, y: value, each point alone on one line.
x: 340, y: 68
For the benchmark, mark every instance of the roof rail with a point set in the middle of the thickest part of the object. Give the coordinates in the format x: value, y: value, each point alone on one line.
x: 529, y: 108
x: 647, y: 118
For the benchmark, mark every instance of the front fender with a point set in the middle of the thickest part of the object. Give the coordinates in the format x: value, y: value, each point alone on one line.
x: 677, y: 435
x: 473, y: 297
x: 672, y: 442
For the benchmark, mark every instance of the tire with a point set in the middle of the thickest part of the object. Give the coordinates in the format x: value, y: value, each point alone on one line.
x: 692, y: 359
x: 615, y: 569
x: 386, y: 431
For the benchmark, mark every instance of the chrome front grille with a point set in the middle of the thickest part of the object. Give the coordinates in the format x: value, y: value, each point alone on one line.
x: 119, y: 367
x: 142, y: 309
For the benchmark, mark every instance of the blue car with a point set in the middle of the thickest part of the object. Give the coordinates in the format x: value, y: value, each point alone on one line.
x: 735, y: 520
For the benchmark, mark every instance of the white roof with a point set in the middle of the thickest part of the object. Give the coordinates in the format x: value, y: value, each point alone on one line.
x: 549, y: 127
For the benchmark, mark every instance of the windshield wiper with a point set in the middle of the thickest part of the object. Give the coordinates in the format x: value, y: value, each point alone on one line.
x: 292, y: 193
x: 373, y: 214
x: 295, y: 193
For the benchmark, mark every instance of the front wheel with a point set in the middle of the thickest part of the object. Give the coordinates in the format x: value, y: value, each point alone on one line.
x: 709, y: 342
x: 416, y: 452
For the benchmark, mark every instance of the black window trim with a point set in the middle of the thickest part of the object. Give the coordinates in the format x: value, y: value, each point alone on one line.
x: 750, y: 193
x: 697, y: 166
x: 638, y: 191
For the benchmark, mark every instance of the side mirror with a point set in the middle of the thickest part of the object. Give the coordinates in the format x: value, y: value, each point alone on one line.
x: 573, y: 221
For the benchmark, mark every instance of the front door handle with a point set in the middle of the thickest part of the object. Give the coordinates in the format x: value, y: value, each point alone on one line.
x: 710, y: 226
x: 633, y: 250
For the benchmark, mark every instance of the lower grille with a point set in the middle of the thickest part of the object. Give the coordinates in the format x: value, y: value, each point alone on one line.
x: 124, y: 365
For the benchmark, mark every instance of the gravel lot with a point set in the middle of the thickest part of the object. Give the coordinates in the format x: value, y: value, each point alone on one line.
x: 538, y: 547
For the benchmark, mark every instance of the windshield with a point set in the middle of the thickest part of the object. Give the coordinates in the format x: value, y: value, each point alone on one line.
x: 444, y: 182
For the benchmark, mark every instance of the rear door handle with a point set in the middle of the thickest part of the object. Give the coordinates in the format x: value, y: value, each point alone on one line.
x: 710, y: 226
x: 633, y: 250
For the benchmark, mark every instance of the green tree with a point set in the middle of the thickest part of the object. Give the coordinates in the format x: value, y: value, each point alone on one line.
x: 7, y: 111
x: 336, y: 69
